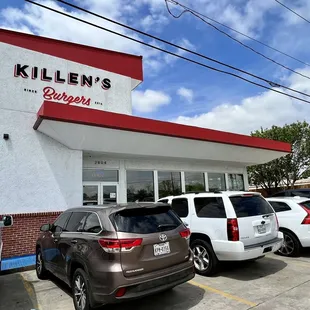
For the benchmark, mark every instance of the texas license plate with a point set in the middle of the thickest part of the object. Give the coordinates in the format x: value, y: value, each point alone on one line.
x: 161, y: 248
x: 261, y: 229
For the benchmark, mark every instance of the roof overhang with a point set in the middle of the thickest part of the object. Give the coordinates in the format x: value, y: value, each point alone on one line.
x: 99, y: 131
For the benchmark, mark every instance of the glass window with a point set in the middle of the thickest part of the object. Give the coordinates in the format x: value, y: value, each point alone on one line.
x: 169, y: 183
x: 250, y: 205
x: 280, y: 194
x: 216, y: 182
x: 90, y: 195
x: 100, y: 175
x: 92, y: 224
x: 146, y: 220
x: 301, y: 193
x: 180, y: 206
x: 60, y: 223
x: 140, y: 186
x: 279, y: 206
x: 194, y: 182
x: 211, y: 207
x: 305, y: 204
x: 235, y: 182
x: 76, y: 221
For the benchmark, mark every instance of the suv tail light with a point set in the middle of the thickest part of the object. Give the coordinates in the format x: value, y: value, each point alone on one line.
x: 119, y: 245
x: 185, y: 233
x: 278, y: 226
x: 232, y: 230
x: 306, y: 220
x: 120, y: 292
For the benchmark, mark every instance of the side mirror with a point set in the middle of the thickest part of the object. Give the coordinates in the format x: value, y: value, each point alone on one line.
x: 46, y: 227
x: 7, y: 220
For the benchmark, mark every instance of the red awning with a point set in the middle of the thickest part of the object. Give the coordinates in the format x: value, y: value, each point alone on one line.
x: 94, y: 130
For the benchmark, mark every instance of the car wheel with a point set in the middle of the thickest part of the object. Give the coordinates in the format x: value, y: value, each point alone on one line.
x: 205, y: 260
x: 42, y: 273
x: 80, y: 290
x: 291, y: 246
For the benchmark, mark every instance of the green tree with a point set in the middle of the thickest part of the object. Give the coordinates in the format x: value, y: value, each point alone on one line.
x: 286, y: 169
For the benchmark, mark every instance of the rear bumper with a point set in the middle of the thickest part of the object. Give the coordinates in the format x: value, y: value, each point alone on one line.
x: 236, y: 251
x: 144, y: 288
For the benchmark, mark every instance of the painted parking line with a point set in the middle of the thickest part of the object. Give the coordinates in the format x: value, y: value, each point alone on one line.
x: 31, y: 293
x: 226, y: 295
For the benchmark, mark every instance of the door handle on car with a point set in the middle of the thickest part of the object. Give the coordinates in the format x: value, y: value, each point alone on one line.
x: 74, y: 241
x: 186, y: 224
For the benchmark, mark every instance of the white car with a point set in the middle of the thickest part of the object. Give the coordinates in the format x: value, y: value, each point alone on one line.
x: 294, y: 220
x: 227, y: 226
x: 4, y: 222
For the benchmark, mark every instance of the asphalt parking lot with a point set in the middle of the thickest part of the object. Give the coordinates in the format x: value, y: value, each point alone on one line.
x: 272, y: 282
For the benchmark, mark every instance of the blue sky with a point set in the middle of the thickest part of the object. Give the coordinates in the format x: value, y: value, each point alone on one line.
x: 176, y: 90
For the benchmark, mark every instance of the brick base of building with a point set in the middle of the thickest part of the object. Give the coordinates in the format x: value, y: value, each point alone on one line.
x: 20, y: 239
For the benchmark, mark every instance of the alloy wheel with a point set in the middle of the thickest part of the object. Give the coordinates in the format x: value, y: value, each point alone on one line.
x: 288, y: 246
x: 39, y: 263
x: 80, y: 292
x: 201, y: 258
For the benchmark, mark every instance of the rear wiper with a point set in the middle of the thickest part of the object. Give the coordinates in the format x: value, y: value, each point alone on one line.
x: 166, y: 225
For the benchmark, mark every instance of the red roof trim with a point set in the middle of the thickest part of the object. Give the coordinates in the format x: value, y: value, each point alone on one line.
x: 120, y: 63
x: 72, y: 114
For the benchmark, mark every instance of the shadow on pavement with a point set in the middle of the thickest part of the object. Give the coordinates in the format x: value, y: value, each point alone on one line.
x: 182, y: 297
x: 16, y: 293
x: 251, y: 270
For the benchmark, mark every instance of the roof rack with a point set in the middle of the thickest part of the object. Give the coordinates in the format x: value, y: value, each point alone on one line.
x: 201, y: 192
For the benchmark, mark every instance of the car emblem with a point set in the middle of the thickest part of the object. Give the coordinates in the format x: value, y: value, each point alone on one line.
x: 162, y: 237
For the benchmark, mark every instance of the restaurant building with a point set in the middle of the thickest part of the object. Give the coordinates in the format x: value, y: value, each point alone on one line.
x: 68, y: 138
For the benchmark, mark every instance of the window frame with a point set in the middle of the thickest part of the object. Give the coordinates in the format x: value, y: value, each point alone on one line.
x: 86, y: 232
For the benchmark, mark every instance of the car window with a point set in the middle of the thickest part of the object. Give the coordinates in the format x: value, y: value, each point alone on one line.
x: 306, y: 204
x: 280, y: 206
x: 92, y: 224
x: 146, y: 220
x: 60, y: 223
x: 76, y: 221
x: 301, y: 193
x: 180, y: 206
x: 250, y: 205
x: 210, y: 207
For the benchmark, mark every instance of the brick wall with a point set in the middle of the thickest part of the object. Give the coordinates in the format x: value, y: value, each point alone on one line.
x: 20, y: 238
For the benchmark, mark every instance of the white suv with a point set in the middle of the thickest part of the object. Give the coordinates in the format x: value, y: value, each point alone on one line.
x: 294, y: 219
x: 227, y: 226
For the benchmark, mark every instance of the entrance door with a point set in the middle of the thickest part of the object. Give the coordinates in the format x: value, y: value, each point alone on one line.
x: 97, y: 193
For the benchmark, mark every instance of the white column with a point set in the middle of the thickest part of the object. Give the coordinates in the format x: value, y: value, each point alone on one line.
x: 183, y: 187
x: 156, y: 194
x: 205, y: 174
x: 122, y: 183
x: 246, y: 180
x: 226, y: 181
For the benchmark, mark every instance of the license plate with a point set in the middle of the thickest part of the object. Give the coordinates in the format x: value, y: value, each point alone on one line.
x: 261, y: 229
x: 161, y: 248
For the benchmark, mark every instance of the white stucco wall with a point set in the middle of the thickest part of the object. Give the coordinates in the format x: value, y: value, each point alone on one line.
x: 36, y: 172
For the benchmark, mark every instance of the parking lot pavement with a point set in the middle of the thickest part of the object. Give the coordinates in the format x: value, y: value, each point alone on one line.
x: 272, y: 282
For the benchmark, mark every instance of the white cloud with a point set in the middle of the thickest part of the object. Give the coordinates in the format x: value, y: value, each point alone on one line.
x: 186, y: 94
x: 264, y: 110
x: 149, y: 100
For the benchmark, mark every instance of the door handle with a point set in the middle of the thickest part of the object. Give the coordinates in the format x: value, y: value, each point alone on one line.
x: 186, y: 224
x: 74, y: 241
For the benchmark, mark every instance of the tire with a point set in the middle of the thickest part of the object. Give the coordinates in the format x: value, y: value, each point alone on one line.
x: 41, y: 271
x: 205, y: 260
x: 80, y: 285
x: 291, y: 246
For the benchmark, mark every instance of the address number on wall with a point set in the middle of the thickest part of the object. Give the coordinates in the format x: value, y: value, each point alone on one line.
x: 100, y: 162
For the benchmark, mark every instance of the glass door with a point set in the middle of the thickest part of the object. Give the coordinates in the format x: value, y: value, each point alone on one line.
x: 98, y: 193
x: 109, y: 193
x: 91, y: 194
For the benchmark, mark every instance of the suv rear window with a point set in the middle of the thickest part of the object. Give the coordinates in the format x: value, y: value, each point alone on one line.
x: 180, y: 206
x: 146, y: 220
x: 250, y: 206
